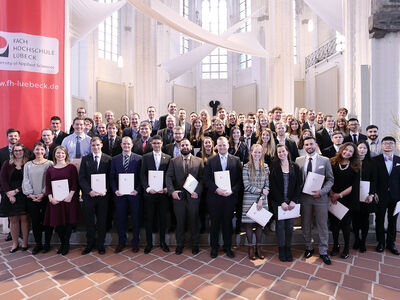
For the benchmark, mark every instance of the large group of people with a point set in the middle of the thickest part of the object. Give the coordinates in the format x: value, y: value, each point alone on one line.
x: 170, y: 173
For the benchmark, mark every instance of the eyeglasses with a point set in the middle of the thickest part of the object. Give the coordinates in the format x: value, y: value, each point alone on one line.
x: 388, y: 143
x: 15, y: 151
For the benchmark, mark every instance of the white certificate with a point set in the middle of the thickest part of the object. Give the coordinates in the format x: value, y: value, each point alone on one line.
x: 60, y: 189
x: 98, y: 183
x: 190, y: 184
x: 261, y: 216
x: 364, y: 190
x: 223, y: 180
x: 156, y: 180
x: 289, y: 214
x: 338, y: 210
x: 313, y: 182
x: 396, y: 209
x: 196, y: 150
x: 126, y: 183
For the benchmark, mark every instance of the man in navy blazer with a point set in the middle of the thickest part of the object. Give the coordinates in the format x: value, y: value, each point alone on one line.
x: 221, y: 203
x: 354, y: 135
x: 126, y: 162
x: 155, y: 123
x: 95, y: 204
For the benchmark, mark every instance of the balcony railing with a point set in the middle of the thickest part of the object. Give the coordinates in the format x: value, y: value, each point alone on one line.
x: 323, y: 52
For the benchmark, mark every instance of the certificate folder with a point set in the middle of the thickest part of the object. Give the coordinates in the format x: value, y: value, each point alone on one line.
x: 397, y: 208
x: 364, y: 190
x: 190, y: 184
x: 60, y: 189
x: 289, y: 214
x: 338, y: 209
x: 126, y: 183
x: 313, y: 182
x: 98, y: 183
x: 156, y: 180
x: 261, y: 216
x: 223, y: 180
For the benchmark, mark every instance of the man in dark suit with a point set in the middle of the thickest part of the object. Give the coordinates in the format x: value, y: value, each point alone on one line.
x: 112, y: 142
x: 354, y: 135
x: 337, y: 140
x: 387, y: 186
x: 186, y: 126
x: 101, y: 130
x: 155, y: 123
x: 47, y: 140
x: 221, y: 203
x: 324, y: 136
x: 171, y: 111
x: 126, y: 162
x: 276, y: 115
x: 155, y: 202
x: 186, y: 205
x: 80, y: 113
x: 167, y: 133
x: 133, y: 131
x: 249, y: 136
x: 281, y: 138
x: 58, y: 134
x: 142, y: 144
x: 310, y: 123
x: 174, y: 149
x: 95, y: 203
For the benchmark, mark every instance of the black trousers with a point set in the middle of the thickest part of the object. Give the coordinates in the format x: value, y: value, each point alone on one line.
x: 221, y: 214
x: 361, y: 223
x: 95, y: 210
x: 383, y: 206
x: 155, y: 209
x: 344, y: 225
x: 37, y: 211
x: 187, y: 209
x: 284, y: 231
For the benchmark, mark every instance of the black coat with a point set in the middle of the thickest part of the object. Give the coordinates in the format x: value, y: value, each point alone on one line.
x: 323, y: 139
x: 242, y: 152
x: 116, y: 147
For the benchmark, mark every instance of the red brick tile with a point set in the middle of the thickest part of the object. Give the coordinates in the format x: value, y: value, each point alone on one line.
x: 340, y: 266
x: 172, y: 273
x: 143, y: 259
x: 255, y: 264
x: 25, y: 269
x: 273, y: 269
x: 51, y: 261
x: 208, y: 291
x: 221, y: 263
x: 138, y: 274
x: 248, y: 290
x: 230, y: 296
x: 285, y: 288
x: 60, y: 268
x: 357, y: 284
x: 392, y: 261
x: 386, y: 293
x: 114, y: 285
x: 14, y: 294
x: 175, y: 259
x: 5, y: 275
x: 53, y: 293
x: 207, y: 272
x: 390, y: 270
x: 226, y: 281
x: 7, y: 286
x: 38, y: 286
x: 321, y: 285
x: 157, y: 265
x: 261, y: 279
x: 304, y: 267
x: 329, y: 275
x: 93, y: 267
x: 102, y: 275
x: 169, y: 292
x: 363, y: 273
x: 268, y: 295
x: 127, y: 293
x: 240, y: 271
x: 92, y: 293
x: 346, y: 294
x: 366, y: 263
x: 83, y: 260
x: 205, y: 256
x: 191, y: 264
x: 371, y: 255
x: 309, y: 294
x: 390, y: 281
x: 20, y: 262
x: 32, y: 277
x: 152, y: 283
x: 296, y: 277
x: 189, y: 282
x: 3, y: 267
x: 76, y: 286
x: 67, y: 276
x: 275, y: 260
x: 114, y: 259
x: 125, y: 266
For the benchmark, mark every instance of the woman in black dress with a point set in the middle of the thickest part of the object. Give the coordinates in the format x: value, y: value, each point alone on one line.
x: 361, y: 219
x: 196, y: 133
x: 346, y: 168
x: 237, y: 147
x: 15, y: 202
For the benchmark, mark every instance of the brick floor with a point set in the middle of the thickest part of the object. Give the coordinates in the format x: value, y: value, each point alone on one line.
x: 160, y: 275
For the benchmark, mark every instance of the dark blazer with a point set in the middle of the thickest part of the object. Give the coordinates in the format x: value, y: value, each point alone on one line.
x: 235, y: 173
x: 128, y: 132
x: 162, y: 122
x: 165, y: 138
x: 116, y: 148
x: 155, y: 127
x: 60, y: 137
x: 307, y: 126
x: 329, y: 152
x: 51, y: 151
x: 138, y: 146
x: 214, y: 136
x: 4, y: 155
x: 88, y: 167
x: 148, y: 164
x: 323, y: 139
x: 272, y: 126
x: 188, y: 126
x: 242, y: 152
x: 349, y: 138
x: 117, y: 168
x: 277, y: 186
x: 292, y: 147
x: 387, y: 185
x: 175, y: 177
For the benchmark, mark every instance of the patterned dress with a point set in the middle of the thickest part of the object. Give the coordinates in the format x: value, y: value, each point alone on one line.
x: 251, y: 184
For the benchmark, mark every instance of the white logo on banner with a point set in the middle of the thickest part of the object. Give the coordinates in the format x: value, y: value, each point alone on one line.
x: 26, y: 52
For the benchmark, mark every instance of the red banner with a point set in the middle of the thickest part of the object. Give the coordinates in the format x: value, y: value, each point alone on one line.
x: 31, y: 66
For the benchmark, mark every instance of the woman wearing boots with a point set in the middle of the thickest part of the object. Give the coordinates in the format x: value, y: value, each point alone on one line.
x: 34, y: 188
x: 285, y: 182
x: 62, y: 214
x: 345, y: 167
x: 256, y: 189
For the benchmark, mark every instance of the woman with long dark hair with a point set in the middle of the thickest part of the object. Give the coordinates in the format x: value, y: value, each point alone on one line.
x: 267, y: 141
x: 196, y: 133
x: 236, y: 146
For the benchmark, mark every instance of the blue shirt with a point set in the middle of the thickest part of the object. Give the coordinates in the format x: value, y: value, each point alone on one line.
x: 70, y: 143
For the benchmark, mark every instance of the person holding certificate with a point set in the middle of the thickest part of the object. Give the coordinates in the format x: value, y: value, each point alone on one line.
x: 256, y: 189
x: 346, y: 168
x: 285, y: 183
x: 367, y: 203
x: 181, y: 170
x: 14, y: 202
x: 152, y: 177
x: 62, y: 213
x: 124, y: 166
x: 221, y: 202
x: 318, y: 199
x: 93, y: 179
x: 34, y: 187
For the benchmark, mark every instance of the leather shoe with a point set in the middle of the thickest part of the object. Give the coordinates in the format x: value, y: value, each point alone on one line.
x: 8, y: 237
x: 230, y: 253
x: 379, y: 248
x: 214, y: 253
x: 178, y: 250
x: 102, y: 250
x: 87, y: 250
x: 37, y: 249
x: 335, y: 250
x: 147, y: 249
x: 345, y: 254
x: 195, y: 250
x: 308, y: 253
x: 119, y: 248
x: 363, y: 248
x: 164, y: 247
x: 135, y: 248
x: 394, y: 250
x: 14, y: 250
x: 24, y: 248
x: 46, y: 248
x: 325, y: 259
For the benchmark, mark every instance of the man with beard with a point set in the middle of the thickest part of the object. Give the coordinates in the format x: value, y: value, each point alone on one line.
x: 373, y: 140
x: 186, y: 205
x: 173, y: 149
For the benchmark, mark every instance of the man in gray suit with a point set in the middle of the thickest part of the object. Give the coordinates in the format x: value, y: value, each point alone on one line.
x: 185, y: 203
x: 312, y: 162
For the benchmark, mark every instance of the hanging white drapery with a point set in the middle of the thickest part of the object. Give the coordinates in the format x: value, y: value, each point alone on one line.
x: 331, y: 11
x: 86, y: 15
x: 167, y: 16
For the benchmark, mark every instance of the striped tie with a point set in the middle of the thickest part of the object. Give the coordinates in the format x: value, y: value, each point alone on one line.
x: 126, y: 162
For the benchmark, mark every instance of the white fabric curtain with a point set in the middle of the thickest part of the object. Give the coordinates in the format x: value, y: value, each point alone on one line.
x: 86, y: 15
x: 167, y: 16
x: 331, y: 11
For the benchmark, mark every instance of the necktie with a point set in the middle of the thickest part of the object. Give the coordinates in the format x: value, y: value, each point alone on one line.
x: 96, y: 160
x: 309, y: 167
x: 144, y: 144
x: 388, y: 158
x: 47, y: 151
x: 78, y: 147
x: 157, y: 161
x: 111, y: 144
x: 54, y: 137
x: 223, y: 162
x: 126, y: 162
x: 186, y: 166
x: 330, y: 133
x: 355, y: 139
x: 152, y: 124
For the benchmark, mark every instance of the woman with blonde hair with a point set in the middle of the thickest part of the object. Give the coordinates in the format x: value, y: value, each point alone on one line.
x: 256, y: 189
x: 267, y: 141
x: 261, y: 125
x: 205, y: 119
